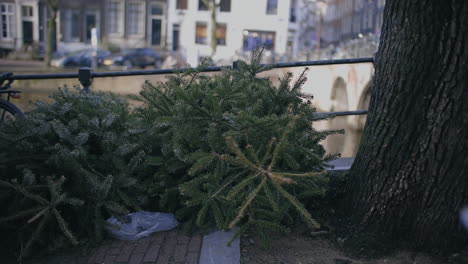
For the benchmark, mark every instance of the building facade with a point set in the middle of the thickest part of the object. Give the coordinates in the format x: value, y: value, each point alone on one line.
x: 121, y: 23
x: 22, y: 23
x: 242, y: 26
x: 341, y: 20
x: 184, y: 26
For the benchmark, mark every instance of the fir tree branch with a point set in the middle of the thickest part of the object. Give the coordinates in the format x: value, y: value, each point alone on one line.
x: 248, y: 202
x: 235, y: 148
x: 299, y: 207
x: 63, y: 226
x: 20, y: 214
x: 279, y: 146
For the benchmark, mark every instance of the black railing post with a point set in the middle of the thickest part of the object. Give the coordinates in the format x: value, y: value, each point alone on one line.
x: 85, y: 76
x: 235, y: 64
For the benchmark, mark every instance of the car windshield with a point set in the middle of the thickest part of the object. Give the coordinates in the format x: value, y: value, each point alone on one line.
x: 129, y: 51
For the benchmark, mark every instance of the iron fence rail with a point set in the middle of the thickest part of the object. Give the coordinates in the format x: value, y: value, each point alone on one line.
x: 171, y: 71
x: 86, y: 75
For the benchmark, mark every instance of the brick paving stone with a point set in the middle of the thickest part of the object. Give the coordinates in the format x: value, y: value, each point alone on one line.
x: 158, y: 238
x: 191, y: 258
x: 115, y: 247
x: 101, y: 254
x: 169, y: 245
x: 179, y: 252
x: 182, y: 238
x: 109, y: 259
x: 117, y: 243
x: 91, y: 256
x: 195, y: 243
x: 136, y: 258
x: 126, y: 252
x: 142, y: 245
x: 163, y: 259
x: 152, y: 253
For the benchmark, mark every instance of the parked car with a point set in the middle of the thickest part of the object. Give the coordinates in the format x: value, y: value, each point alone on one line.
x: 82, y: 58
x: 136, y: 57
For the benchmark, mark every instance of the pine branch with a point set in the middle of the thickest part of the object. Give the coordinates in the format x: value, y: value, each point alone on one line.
x: 299, y: 207
x: 63, y: 226
x: 247, y: 203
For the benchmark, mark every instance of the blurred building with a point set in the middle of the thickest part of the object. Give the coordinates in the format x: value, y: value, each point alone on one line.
x: 284, y: 27
x: 242, y: 26
x: 341, y: 20
x: 121, y: 23
x: 21, y: 23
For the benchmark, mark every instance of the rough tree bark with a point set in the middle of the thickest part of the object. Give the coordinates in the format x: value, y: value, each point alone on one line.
x: 410, y: 177
x: 51, y: 30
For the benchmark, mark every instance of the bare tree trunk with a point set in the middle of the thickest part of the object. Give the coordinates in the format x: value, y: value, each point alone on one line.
x: 51, y: 31
x: 214, y: 41
x: 410, y: 177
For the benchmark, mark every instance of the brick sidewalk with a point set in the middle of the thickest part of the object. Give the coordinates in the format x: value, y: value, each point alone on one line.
x: 164, y: 247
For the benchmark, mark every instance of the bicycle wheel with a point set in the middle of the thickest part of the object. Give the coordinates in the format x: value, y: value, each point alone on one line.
x: 9, y: 111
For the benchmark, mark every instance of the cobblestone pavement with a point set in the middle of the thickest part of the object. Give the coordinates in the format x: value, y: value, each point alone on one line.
x: 171, y: 247
x: 163, y: 247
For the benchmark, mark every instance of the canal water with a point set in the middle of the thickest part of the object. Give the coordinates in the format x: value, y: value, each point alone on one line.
x: 347, y: 144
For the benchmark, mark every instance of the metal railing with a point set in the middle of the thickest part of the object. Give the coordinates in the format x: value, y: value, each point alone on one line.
x: 86, y: 75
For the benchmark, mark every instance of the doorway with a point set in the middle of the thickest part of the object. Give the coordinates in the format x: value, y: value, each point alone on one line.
x: 27, y: 18
x: 156, y: 26
x: 28, y: 32
x: 175, y: 37
x: 91, y: 20
x: 90, y: 24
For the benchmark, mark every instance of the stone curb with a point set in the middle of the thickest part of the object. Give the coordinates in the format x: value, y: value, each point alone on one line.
x: 215, y: 249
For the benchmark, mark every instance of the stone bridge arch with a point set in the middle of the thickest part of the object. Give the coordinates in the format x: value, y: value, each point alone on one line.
x: 344, y: 87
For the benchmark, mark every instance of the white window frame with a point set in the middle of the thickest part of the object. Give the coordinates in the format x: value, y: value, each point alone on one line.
x: 29, y: 8
x: 10, y: 24
x: 141, y: 22
x: 121, y: 16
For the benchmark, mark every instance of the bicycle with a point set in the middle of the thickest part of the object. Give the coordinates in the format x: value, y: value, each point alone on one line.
x: 8, y: 111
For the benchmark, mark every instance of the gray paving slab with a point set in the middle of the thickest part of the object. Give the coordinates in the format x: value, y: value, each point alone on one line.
x: 215, y: 249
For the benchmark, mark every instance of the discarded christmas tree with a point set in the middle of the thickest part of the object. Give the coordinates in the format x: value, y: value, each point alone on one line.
x: 233, y: 149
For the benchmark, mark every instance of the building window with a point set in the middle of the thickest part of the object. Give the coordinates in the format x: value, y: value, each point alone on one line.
x: 256, y: 39
x: 272, y: 7
x: 370, y: 18
x: 358, y: 5
x: 26, y: 11
x: 202, y: 6
x: 225, y: 6
x: 201, y: 33
x: 7, y: 21
x: 182, y: 4
x: 75, y: 25
x: 135, y: 16
x: 157, y: 10
x: 292, y: 12
x: 114, y: 20
x: 221, y: 34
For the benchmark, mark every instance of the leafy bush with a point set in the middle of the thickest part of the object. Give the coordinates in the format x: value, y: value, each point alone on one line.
x: 67, y: 167
x: 233, y: 149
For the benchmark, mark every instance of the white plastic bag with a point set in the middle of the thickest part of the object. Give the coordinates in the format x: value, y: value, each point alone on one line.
x: 141, y: 224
